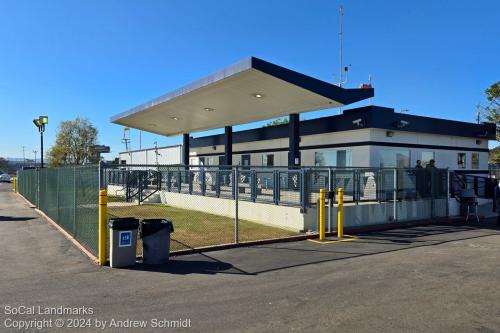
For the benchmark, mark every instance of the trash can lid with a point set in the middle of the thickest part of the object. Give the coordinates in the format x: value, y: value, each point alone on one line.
x: 124, y: 223
x: 152, y: 226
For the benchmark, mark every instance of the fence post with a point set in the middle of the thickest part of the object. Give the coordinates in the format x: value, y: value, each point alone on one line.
x: 447, y: 196
x: 321, y: 211
x: 331, y: 199
x: 395, y: 196
x: 433, y: 193
x: 74, y: 201
x: 37, y: 203
x: 103, y: 205
x: 253, y: 185
x: 190, y: 181
x: 303, y: 189
x: 236, y: 217
x: 278, y: 187
x: 340, y: 213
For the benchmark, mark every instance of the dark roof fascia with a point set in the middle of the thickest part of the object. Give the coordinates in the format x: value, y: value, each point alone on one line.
x: 325, y: 89
x: 371, y: 116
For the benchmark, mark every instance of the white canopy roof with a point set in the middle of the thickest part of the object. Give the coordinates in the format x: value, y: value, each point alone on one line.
x: 248, y: 91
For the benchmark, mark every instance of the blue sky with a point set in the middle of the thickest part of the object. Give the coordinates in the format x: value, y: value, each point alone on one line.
x: 97, y: 58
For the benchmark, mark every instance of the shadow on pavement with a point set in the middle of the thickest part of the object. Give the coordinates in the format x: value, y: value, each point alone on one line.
x: 279, y: 256
x: 374, y: 243
x: 14, y: 219
x: 198, y: 263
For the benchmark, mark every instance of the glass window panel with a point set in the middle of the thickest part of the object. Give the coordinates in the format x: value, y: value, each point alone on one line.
x: 393, y: 158
x: 339, y: 158
x: 268, y: 160
x: 325, y: 158
x: 475, y: 161
x: 427, y: 156
x: 461, y: 160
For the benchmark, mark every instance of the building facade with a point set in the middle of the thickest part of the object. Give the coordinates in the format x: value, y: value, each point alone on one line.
x: 362, y: 137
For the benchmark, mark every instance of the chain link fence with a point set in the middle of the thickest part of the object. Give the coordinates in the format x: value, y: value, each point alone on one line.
x: 220, y: 205
x: 201, y: 203
x: 69, y: 196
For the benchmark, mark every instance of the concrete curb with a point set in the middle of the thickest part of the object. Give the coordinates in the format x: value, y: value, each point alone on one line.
x: 66, y: 234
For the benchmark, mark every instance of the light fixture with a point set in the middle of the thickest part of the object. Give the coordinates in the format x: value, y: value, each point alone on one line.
x: 258, y: 95
x: 174, y: 118
x: 209, y: 109
x: 40, y: 123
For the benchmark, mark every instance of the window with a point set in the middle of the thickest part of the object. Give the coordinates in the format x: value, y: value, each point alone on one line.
x: 123, y: 162
x: 393, y: 158
x: 201, y: 161
x: 222, y: 160
x: 268, y: 160
x: 461, y: 161
x: 427, y: 156
x: 245, y: 160
x: 339, y: 158
x: 475, y: 161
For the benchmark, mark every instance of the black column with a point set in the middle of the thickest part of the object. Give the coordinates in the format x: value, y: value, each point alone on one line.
x: 185, y: 149
x: 294, y: 140
x: 228, y: 145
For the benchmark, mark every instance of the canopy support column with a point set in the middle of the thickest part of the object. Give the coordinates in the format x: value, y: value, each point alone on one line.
x: 185, y: 149
x: 228, y: 145
x: 294, y: 140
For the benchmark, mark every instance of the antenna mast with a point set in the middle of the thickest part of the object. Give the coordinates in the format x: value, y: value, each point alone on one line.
x: 126, y: 140
x: 341, y: 14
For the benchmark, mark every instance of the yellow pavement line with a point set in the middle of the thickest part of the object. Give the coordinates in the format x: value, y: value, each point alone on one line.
x: 346, y: 238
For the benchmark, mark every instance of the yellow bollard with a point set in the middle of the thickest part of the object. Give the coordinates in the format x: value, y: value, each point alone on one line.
x: 14, y: 184
x: 103, y: 228
x: 321, y: 210
x: 340, y: 213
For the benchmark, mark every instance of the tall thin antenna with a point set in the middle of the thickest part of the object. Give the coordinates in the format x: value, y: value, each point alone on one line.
x: 156, y: 152
x: 341, y: 15
x: 126, y: 140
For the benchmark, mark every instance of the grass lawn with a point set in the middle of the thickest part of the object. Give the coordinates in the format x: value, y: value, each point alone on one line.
x: 116, y: 198
x: 195, y: 229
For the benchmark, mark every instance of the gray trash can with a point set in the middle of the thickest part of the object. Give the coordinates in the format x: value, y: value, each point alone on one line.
x: 123, y: 241
x: 155, y: 234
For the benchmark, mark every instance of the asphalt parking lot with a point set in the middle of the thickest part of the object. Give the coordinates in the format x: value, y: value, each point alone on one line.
x: 441, y: 278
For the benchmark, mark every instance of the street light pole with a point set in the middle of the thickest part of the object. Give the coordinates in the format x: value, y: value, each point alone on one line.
x: 41, y: 147
x: 40, y: 123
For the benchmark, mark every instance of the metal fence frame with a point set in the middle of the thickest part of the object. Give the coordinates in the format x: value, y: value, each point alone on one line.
x: 278, y: 185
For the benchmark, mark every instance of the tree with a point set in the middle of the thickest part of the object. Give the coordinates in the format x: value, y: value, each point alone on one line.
x: 4, y: 164
x: 276, y: 122
x: 75, y: 144
x: 491, y: 111
x: 494, y: 155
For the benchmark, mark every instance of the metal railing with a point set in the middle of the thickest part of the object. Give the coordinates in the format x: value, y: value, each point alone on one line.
x: 483, y: 186
x: 278, y: 185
